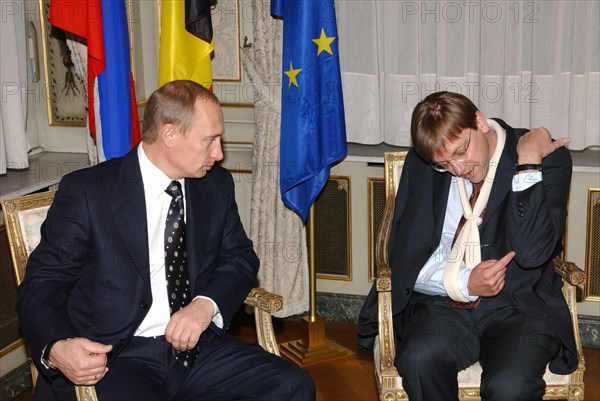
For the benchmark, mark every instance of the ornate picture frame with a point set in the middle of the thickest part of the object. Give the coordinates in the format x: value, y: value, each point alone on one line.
x: 65, y: 90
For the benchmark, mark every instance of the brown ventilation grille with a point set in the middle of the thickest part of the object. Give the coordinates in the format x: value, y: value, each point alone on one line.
x: 9, y: 324
x: 332, y: 230
x: 592, y: 251
x: 376, y: 208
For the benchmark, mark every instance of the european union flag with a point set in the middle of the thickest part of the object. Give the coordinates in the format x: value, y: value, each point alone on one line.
x: 313, y: 131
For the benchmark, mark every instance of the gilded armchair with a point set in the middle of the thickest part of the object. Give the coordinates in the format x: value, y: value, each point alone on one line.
x: 389, y: 383
x: 23, y: 217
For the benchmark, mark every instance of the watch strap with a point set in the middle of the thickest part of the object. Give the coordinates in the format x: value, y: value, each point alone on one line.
x: 527, y: 166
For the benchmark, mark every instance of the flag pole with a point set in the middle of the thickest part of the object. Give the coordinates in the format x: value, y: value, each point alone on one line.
x: 312, y: 285
x: 313, y: 348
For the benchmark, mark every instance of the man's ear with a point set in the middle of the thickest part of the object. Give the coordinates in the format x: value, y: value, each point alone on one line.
x: 167, y: 135
x: 482, y: 123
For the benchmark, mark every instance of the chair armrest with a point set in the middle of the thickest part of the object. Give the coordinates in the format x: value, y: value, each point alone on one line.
x: 569, y: 271
x: 572, y: 276
x: 265, y: 304
x: 264, y: 300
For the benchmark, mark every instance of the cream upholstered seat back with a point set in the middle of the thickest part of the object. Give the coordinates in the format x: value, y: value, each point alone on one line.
x: 23, y: 218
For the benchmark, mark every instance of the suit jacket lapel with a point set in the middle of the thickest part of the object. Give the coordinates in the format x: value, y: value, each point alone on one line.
x: 199, y: 210
x: 441, y: 190
x: 129, y: 212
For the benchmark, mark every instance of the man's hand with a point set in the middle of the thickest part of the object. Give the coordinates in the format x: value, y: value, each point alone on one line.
x: 186, y: 326
x: 537, y: 144
x: 487, y: 278
x: 82, y: 361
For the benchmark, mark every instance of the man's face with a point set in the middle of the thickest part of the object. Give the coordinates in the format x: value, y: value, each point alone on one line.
x: 196, y: 153
x: 467, y: 157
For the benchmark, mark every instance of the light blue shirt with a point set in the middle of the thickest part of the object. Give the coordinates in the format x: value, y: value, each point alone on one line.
x: 430, y: 280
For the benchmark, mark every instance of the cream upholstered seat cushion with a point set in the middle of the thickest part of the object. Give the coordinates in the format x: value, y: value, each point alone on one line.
x: 471, y: 376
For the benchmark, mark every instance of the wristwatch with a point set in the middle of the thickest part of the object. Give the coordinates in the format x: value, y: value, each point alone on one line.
x: 45, y: 359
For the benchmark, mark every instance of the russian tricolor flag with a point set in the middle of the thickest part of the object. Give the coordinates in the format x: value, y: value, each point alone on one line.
x: 112, y: 110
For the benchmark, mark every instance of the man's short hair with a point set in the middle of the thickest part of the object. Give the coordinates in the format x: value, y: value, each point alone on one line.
x: 438, y: 120
x: 173, y: 103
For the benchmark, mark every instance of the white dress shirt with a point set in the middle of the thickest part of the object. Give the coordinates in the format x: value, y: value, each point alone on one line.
x: 157, y: 207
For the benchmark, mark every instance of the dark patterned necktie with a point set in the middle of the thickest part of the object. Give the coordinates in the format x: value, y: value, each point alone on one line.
x: 178, y: 284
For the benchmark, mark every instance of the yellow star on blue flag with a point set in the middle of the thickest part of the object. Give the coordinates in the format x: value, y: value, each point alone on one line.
x: 291, y: 73
x: 313, y: 131
x: 324, y: 43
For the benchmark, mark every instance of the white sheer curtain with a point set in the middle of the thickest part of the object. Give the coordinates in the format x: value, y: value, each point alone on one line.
x: 532, y: 63
x: 13, y: 80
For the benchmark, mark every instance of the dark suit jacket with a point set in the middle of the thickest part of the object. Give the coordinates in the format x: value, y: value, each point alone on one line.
x: 89, y: 276
x: 530, y: 222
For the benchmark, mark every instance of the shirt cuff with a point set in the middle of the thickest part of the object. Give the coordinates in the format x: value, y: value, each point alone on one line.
x: 524, y: 180
x: 217, y: 317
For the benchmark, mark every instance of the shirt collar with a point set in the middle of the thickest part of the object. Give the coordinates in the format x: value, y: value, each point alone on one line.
x: 155, y: 181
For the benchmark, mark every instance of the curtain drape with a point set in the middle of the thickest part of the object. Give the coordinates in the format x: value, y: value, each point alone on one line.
x: 278, y: 233
x: 532, y: 63
x: 14, y: 144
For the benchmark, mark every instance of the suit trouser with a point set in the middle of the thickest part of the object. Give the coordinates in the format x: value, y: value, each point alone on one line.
x: 438, y: 341
x: 226, y: 369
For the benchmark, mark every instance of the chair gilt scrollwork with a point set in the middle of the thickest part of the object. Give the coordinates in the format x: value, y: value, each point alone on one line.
x: 389, y: 383
x: 23, y: 218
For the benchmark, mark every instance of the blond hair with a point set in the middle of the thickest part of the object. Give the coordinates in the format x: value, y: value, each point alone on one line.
x: 438, y: 120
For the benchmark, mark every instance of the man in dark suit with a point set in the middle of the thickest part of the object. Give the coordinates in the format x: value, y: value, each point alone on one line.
x: 97, y: 302
x: 486, y: 292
